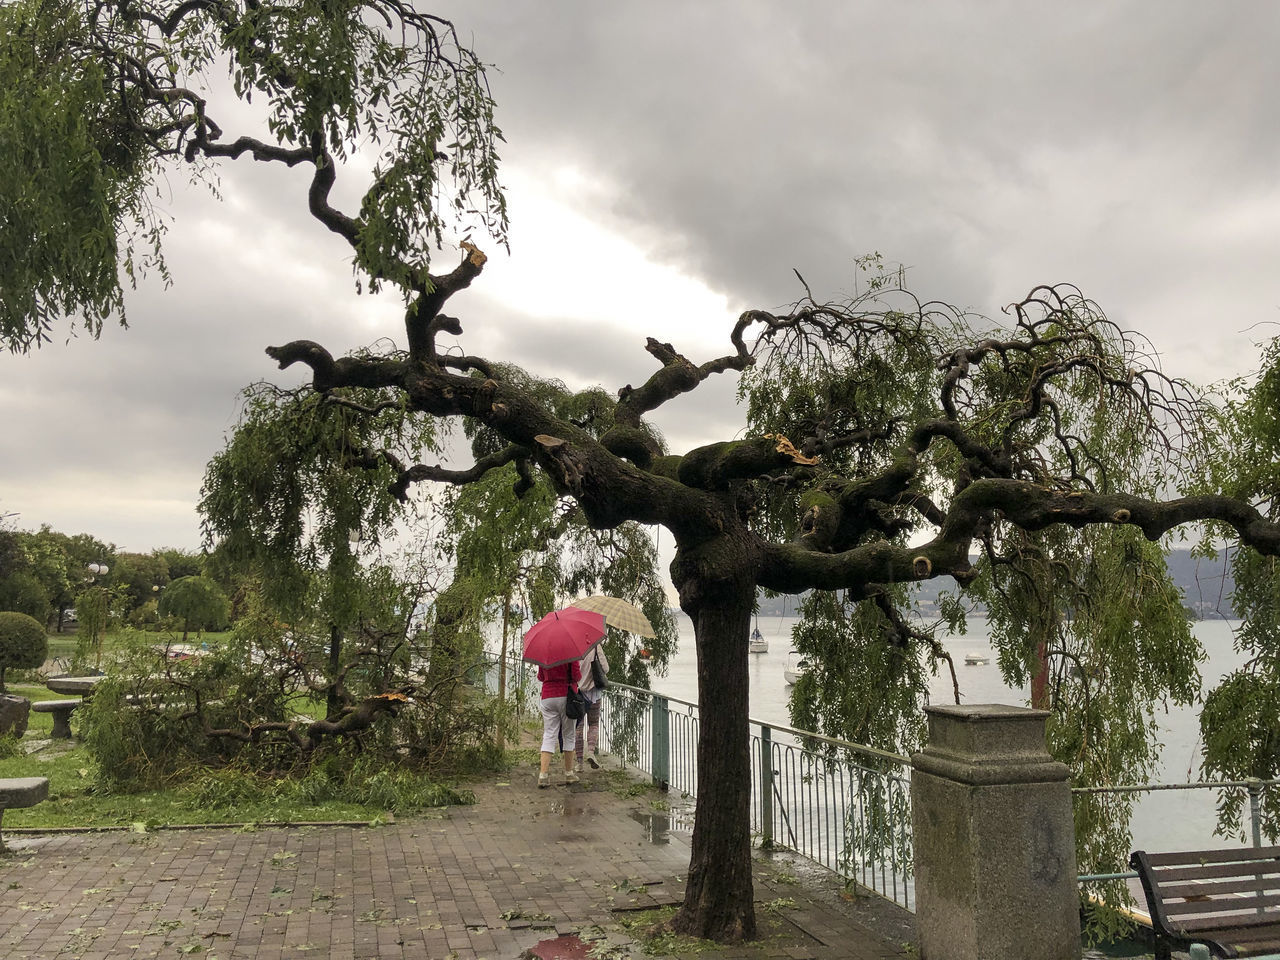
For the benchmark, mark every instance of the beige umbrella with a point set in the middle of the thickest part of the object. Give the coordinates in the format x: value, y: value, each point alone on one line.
x: 618, y: 613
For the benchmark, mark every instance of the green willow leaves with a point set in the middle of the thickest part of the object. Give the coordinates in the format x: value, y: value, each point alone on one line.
x: 1240, y: 723
x: 99, y: 103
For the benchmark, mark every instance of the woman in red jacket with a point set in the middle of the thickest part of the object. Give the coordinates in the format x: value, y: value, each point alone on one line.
x: 557, y: 729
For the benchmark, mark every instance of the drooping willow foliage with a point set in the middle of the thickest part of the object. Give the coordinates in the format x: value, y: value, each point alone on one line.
x: 1240, y: 722
x: 1085, y: 617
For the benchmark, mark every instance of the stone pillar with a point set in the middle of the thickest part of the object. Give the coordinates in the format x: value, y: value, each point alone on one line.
x: 994, y: 840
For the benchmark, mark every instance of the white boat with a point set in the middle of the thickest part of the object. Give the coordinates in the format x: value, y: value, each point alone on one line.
x: 797, y: 666
x: 758, y: 643
x: 975, y: 660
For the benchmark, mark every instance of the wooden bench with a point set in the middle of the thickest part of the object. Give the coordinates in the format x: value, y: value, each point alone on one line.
x: 1228, y: 900
x: 61, y: 710
x: 21, y: 792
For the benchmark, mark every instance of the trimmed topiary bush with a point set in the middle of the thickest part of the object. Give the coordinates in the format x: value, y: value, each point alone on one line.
x: 23, y: 643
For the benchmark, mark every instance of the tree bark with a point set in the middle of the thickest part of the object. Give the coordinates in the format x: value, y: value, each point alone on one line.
x: 333, y: 702
x: 1040, y: 679
x: 719, y: 899
x: 498, y: 738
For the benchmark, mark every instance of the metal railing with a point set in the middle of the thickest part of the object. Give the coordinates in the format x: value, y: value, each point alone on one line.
x: 841, y: 805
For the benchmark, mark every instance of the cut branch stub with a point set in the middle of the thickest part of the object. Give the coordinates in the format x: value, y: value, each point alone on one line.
x: 560, y: 465
x: 475, y: 256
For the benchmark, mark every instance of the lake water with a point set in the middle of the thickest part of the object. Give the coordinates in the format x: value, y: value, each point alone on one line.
x: 1164, y: 820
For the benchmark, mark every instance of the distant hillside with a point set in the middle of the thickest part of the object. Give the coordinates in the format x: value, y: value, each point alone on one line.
x: 1206, y: 586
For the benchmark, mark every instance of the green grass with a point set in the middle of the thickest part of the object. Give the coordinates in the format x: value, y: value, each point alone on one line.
x: 33, y: 692
x: 61, y: 645
x: 64, y: 644
x: 73, y: 801
x: 226, y: 796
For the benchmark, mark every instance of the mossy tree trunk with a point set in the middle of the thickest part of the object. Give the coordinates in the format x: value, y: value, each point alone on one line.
x: 719, y: 900
x: 717, y: 591
x: 333, y: 695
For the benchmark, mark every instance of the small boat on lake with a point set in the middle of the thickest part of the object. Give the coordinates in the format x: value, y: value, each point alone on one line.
x: 975, y: 660
x: 758, y: 643
x: 797, y: 666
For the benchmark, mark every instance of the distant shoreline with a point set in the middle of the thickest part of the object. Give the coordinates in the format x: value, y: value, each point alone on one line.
x: 1205, y: 582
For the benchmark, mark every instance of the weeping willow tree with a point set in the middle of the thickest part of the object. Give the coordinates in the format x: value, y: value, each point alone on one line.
x: 287, y: 503
x: 1084, y: 616
x: 837, y: 484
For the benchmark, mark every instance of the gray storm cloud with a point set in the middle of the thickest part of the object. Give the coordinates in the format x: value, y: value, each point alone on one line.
x: 1128, y: 148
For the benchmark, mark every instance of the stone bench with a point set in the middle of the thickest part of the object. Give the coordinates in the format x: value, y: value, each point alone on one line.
x: 61, y: 710
x: 21, y: 792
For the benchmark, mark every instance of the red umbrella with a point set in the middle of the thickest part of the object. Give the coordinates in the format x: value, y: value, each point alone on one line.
x: 562, y: 636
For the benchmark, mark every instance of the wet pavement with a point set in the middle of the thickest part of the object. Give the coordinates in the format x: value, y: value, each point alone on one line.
x: 562, y: 872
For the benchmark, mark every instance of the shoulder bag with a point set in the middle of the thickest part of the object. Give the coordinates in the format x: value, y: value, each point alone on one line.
x: 575, y: 704
x: 598, y: 680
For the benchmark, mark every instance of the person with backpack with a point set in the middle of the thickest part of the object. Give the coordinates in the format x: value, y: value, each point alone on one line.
x: 594, y: 671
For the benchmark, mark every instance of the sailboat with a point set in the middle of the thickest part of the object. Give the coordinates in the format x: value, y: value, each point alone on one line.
x: 758, y: 643
x: 796, y: 667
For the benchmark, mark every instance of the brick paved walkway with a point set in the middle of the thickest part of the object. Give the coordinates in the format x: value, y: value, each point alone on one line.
x: 491, y: 880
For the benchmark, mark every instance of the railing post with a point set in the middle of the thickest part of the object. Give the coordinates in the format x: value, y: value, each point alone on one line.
x: 660, y: 764
x: 1255, y: 797
x: 766, y: 787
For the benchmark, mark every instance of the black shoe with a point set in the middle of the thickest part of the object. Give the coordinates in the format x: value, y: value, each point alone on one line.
x: 595, y: 764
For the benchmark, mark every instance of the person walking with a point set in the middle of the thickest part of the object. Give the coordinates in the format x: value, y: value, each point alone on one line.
x: 557, y: 729
x: 594, y: 661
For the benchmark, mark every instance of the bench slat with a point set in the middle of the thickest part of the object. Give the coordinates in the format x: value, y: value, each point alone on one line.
x: 1223, y: 906
x: 1253, y: 941
x: 1243, y: 922
x: 1226, y: 855
x: 1168, y: 876
x: 1241, y: 943
x: 1217, y: 888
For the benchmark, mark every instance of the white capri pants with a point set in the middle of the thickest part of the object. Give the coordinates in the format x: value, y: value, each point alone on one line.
x: 557, y: 729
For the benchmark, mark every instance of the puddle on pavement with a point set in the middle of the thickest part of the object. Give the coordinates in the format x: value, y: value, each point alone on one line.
x: 570, y: 947
x: 571, y: 807
x: 657, y: 826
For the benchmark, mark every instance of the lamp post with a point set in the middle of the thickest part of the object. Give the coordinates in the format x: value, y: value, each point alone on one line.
x: 97, y: 621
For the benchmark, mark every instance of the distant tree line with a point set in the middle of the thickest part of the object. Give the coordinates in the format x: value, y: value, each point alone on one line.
x: 46, y: 575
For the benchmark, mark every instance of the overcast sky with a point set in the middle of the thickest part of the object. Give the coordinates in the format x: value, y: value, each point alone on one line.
x: 667, y: 165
